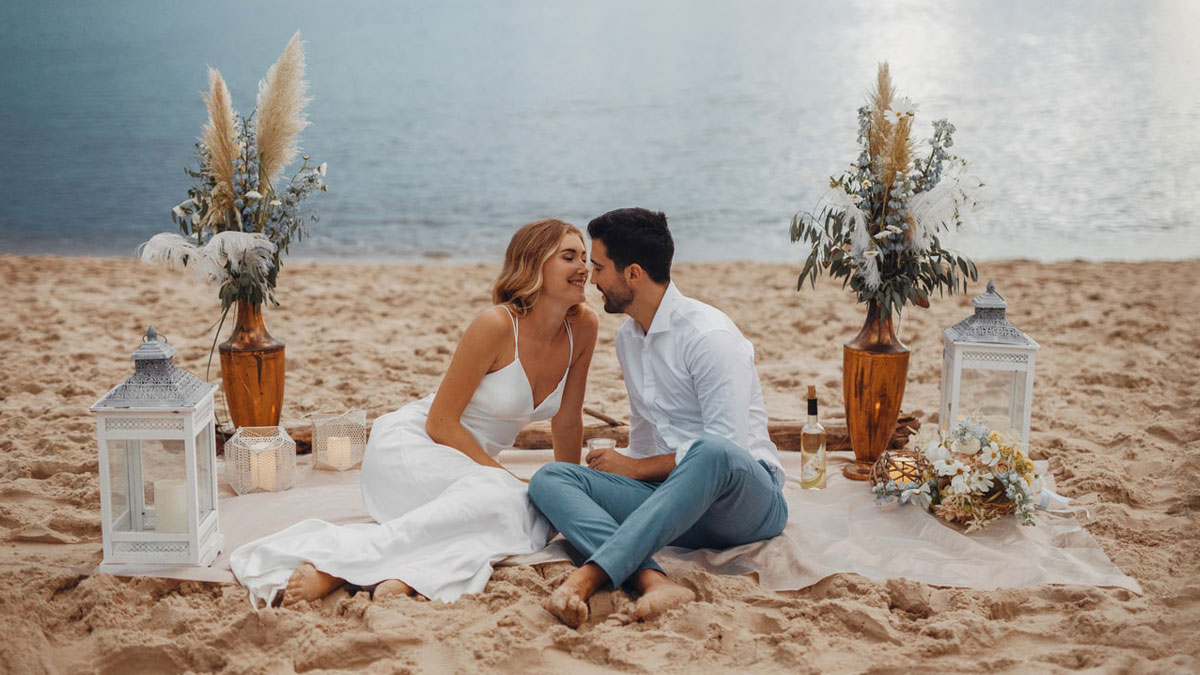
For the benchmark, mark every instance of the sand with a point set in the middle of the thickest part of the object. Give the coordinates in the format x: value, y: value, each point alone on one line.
x: 1115, y: 413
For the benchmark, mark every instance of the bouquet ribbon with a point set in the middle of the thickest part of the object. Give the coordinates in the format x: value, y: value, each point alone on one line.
x: 1053, y: 502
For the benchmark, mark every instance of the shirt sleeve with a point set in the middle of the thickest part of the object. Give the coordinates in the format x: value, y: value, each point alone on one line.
x: 722, y: 368
x: 641, y: 435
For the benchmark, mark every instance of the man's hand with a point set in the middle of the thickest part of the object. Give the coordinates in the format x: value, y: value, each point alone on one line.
x: 611, y: 461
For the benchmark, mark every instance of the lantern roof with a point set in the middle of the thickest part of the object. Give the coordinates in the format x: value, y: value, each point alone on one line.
x: 156, y: 381
x: 988, y: 324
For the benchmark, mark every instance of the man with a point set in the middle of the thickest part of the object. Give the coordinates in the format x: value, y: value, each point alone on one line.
x: 701, y: 472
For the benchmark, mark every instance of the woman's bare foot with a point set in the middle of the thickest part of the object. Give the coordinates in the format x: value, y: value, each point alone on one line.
x: 659, y: 594
x: 308, y: 583
x: 391, y: 588
x: 568, y: 602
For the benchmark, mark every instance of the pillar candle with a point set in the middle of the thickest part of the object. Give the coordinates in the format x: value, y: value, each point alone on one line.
x: 262, y: 470
x: 170, y: 505
x: 337, y: 451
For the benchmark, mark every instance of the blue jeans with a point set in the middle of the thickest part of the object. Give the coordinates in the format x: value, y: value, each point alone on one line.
x: 717, y: 497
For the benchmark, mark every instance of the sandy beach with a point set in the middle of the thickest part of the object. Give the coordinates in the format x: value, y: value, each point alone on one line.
x: 1115, y: 413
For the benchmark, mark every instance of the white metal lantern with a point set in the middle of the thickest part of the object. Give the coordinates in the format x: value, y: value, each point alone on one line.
x: 158, y: 479
x: 987, y: 367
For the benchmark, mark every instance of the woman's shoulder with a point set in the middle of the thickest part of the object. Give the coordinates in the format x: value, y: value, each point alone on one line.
x: 491, y: 324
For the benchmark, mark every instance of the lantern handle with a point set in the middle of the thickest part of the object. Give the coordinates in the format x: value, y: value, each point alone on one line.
x: 153, y: 336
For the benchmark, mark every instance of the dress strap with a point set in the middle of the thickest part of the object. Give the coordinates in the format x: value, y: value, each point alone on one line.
x: 570, y: 343
x: 513, y: 317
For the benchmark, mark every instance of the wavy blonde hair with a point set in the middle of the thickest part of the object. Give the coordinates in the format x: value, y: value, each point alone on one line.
x: 520, y: 279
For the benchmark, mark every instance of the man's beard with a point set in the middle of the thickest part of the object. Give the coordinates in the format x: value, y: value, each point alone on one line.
x: 617, y: 299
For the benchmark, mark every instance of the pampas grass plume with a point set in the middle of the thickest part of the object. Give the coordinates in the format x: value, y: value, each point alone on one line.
x: 881, y: 100
x: 281, y: 101
x: 220, y: 137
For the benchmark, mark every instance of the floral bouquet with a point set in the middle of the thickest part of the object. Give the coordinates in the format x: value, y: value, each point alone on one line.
x: 879, y: 226
x: 972, y: 476
x: 239, y: 216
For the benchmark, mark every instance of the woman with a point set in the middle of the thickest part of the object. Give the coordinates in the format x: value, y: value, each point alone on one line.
x: 446, y: 509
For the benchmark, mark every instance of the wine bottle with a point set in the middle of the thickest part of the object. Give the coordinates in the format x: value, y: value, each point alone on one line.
x: 812, y: 447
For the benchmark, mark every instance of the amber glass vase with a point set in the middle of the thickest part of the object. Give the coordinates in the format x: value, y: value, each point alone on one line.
x: 874, y: 371
x: 252, y: 369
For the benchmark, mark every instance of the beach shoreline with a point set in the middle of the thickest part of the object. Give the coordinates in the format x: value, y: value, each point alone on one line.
x: 1115, y: 403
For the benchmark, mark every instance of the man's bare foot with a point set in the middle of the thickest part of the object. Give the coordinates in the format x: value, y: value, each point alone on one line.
x: 659, y: 594
x: 392, y: 588
x: 568, y: 602
x: 308, y: 583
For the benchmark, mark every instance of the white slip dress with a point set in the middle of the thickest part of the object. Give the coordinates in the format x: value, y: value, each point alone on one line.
x: 442, y: 519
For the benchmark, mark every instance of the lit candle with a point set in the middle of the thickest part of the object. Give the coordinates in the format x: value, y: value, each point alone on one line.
x: 900, y: 466
x: 337, y: 452
x: 170, y: 505
x: 262, y: 470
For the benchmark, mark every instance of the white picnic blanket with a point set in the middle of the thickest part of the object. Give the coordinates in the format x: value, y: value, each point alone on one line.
x: 838, y: 529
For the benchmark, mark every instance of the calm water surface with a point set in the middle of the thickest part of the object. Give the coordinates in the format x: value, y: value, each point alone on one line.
x: 447, y: 124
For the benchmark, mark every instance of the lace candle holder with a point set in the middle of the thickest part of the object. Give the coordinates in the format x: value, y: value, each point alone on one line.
x: 339, y: 439
x: 261, y: 459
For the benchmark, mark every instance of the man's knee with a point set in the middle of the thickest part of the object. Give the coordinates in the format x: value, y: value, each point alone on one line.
x: 549, y: 480
x: 715, y: 451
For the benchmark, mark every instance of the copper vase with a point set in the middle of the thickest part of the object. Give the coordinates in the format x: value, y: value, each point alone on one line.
x: 874, y: 372
x: 252, y: 368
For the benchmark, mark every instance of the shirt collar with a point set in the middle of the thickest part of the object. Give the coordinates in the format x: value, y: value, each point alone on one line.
x: 662, y: 317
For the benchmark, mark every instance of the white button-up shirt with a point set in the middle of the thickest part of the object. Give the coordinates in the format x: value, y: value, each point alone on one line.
x: 692, y: 373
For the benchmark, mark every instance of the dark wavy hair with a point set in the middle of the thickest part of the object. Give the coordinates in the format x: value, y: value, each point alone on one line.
x: 636, y: 235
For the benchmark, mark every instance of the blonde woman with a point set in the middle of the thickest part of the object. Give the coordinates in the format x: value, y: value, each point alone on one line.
x: 446, y: 509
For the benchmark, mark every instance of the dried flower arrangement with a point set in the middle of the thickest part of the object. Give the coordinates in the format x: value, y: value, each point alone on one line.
x: 239, y: 218
x: 972, y: 475
x: 879, y: 225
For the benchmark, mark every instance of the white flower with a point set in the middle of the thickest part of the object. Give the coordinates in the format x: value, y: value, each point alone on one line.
x: 276, y: 202
x: 253, y: 194
x: 979, y: 482
x: 990, y: 454
x: 949, y: 467
x: 883, y: 234
x: 960, y: 484
x: 936, y: 451
x: 918, y: 495
x: 321, y: 169
x: 894, y: 230
x: 902, y: 107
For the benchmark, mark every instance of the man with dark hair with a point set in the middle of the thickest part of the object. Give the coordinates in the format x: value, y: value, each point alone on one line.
x: 700, y: 470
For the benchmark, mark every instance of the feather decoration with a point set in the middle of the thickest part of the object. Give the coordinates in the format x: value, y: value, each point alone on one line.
x: 936, y: 210
x: 220, y: 137
x: 836, y: 200
x: 281, y: 101
x: 218, y: 262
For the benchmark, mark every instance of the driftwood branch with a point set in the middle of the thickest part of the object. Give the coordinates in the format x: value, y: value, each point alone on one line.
x: 784, y: 433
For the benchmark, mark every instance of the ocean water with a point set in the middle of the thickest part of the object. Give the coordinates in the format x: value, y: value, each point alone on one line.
x: 447, y: 124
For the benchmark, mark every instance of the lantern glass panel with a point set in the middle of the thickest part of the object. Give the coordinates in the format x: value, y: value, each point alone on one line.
x: 119, y: 494
x: 989, y: 393
x: 164, y: 485
x: 204, y: 472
